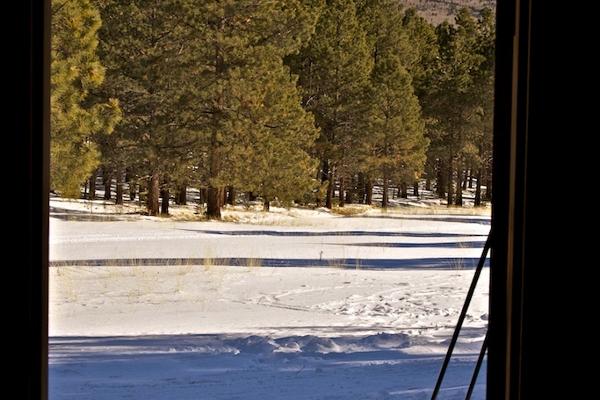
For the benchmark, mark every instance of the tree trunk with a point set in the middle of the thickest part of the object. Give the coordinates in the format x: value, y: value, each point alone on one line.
x: 215, y: 194
x: 203, y: 195
x: 416, y: 189
x: 330, y: 186
x: 266, y: 205
x: 369, y: 191
x: 92, y: 192
x: 230, y: 195
x: 471, y: 178
x: 119, y: 195
x: 361, y: 188
x: 342, y: 198
x: 222, y: 196
x: 129, y: 178
x: 132, y: 191
x: 459, y: 185
x: 152, y: 195
x: 442, y: 181
x: 85, y: 188
x: 384, y: 199
x: 142, y: 190
x: 164, y: 204
x: 404, y: 190
x: 324, y: 171
x: 428, y: 184
x: 213, y: 210
x: 251, y: 196
x: 450, y: 182
x: 352, y: 192
x: 107, y: 181
x: 464, y: 178
x: 181, y: 198
x: 477, y: 201
x: 488, y: 190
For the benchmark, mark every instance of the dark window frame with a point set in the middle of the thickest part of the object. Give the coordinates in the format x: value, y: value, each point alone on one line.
x: 516, y: 24
x: 506, y: 378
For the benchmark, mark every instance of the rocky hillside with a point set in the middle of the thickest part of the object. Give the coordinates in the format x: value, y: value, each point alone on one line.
x: 437, y: 11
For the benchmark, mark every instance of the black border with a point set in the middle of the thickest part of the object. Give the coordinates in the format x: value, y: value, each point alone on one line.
x: 507, y: 40
x: 506, y: 377
x: 521, y: 162
x: 29, y: 110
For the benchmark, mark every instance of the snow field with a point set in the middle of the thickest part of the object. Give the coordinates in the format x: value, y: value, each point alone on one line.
x: 362, y: 307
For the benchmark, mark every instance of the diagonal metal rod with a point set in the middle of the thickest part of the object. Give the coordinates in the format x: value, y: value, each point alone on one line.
x: 462, y: 316
x: 477, y: 368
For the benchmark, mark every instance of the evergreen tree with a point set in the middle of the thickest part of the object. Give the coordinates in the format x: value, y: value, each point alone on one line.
x: 75, y: 115
x: 395, y: 137
x: 276, y: 141
x: 236, y: 67
x: 452, y: 102
x: 145, y: 50
x: 424, y: 53
x: 333, y: 72
x: 484, y: 92
x: 422, y: 67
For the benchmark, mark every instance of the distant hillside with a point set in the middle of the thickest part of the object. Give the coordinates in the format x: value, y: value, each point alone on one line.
x: 436, y: 11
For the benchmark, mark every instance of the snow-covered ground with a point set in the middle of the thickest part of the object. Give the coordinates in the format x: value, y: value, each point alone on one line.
x: 292, y: 304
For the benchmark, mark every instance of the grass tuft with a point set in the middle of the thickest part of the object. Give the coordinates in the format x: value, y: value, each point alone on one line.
x: 349, y: 210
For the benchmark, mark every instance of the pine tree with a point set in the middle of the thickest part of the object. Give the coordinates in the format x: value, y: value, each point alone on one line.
x: 75, y: 116
x: 277, y: 144
x: 422, y: 68
x: 484, y: 92
x: 396, y: 139
x: 236, y: 66
x: 144, y: 47
x: 452, y: 101
x: 333, y: 72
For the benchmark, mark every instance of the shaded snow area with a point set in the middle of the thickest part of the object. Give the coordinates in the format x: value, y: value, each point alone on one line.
x: 292, y: 304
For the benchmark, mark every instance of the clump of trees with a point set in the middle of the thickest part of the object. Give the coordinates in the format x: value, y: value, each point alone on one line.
x: 283, y: 100
x: 77, y: 117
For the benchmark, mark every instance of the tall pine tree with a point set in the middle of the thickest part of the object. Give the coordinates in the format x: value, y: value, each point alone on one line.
x: 276, y: 141
x: 422, y: 67
x: 242, y: 96
x: 75, y: 115
x: 334, y: 70
x: 484, y: 92
x: 452, y: 102
x: 395, y: 141
x: 145, y: 49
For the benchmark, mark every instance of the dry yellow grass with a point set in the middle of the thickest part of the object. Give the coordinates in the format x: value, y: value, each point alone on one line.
x: 349, y: 210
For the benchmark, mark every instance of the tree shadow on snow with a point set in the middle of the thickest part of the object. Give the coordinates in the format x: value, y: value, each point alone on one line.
x: 343, y: 263
x: 332, y: 233
x: 462, y: 220
x: 460, y: 245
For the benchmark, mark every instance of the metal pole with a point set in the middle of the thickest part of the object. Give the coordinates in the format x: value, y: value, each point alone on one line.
x: 477, y: 368
x: 462, y: 316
